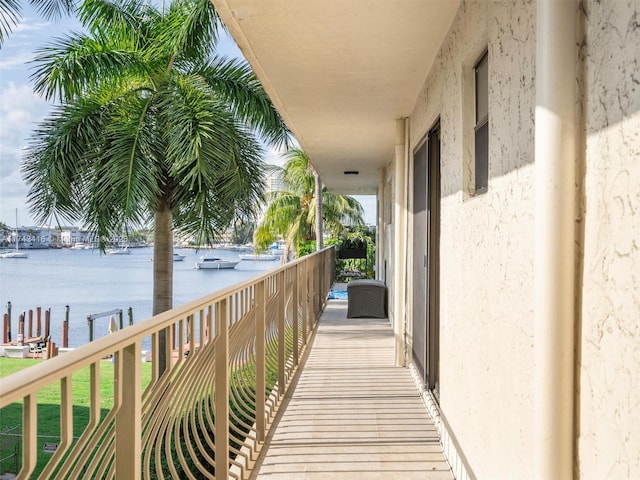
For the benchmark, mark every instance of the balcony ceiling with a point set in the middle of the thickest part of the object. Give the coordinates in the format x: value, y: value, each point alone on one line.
x: 341, y: 72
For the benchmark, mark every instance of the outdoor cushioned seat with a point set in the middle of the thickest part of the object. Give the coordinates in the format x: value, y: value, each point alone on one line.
x: 366, y: 298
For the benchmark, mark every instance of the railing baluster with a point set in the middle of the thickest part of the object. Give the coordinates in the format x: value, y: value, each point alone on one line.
x: 128, y: 418
x: 66, y: 426
x: 222, y: 390
x: 295, y: 301
x: 281, y: 332
x: 305, y: 299
x: 260, y: 360
x: 191, y: 332
x: 29, y: 435
x: 201, y: 319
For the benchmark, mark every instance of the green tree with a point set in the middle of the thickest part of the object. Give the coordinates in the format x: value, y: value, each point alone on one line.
x: 153, y: 127
x: 291, y: 213
x: 5, y: 231
x: 242, y: 232
x: 11, y: 12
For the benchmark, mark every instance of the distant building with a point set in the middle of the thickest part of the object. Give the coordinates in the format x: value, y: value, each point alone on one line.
x: 274, y: 183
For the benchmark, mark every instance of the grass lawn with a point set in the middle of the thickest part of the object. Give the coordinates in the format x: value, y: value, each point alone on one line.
x: 49, y: 407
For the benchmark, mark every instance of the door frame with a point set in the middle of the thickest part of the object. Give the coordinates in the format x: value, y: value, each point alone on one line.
x: 434, y: 181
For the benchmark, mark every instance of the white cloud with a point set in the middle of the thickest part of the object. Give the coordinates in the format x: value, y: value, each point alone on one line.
x: 275, y: 156
x: 20, y: 111
x: 17, y: 60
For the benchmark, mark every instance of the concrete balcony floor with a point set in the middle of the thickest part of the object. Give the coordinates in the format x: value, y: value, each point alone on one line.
x: 353, y: 414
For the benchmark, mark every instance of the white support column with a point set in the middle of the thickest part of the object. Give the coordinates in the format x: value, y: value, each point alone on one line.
x: 555, y: 159
x: 380, y: 226
x: 399, y: 237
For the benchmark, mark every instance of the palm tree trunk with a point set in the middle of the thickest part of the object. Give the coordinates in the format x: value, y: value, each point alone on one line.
x: 162, y: 272
x: 319, y: 232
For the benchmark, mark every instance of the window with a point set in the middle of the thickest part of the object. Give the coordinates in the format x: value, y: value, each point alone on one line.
x: 482, y: 124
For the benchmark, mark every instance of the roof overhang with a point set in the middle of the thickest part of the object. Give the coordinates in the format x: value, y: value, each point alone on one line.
x: 341, y: 72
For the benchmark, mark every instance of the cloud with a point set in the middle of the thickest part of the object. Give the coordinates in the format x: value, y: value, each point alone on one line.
x: 17, y: 61
x: 274, y: 156
x: 20, y: 111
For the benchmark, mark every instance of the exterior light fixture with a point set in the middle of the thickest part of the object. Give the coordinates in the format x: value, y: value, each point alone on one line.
x: 351, y: 172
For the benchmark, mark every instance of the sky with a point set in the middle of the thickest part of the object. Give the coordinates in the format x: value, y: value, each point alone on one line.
x: 21, y: 109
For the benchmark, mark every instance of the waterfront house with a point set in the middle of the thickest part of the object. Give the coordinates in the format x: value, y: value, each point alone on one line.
x: 70, y: 236
x: 502, y: 141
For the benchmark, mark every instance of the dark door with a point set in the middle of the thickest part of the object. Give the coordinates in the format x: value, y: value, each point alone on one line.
x: 419, y: 330
x: 433, y: 260
x: 426, y: 259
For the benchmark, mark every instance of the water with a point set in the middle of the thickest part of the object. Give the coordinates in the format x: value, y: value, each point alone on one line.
x: 93, y: 283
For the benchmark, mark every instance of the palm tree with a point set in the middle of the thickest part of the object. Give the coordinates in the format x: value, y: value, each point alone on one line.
x: 291, y: 213
x: 11, y: 12
x: 152, y: 125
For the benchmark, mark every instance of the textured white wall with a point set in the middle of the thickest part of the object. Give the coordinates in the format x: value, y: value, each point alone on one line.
x: 486, y: 339
x: 609, y: 426
x: 486, y: 241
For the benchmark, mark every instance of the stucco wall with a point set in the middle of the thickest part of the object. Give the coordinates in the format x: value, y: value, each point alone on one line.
x: 486, y: 244
x: 609, y: 424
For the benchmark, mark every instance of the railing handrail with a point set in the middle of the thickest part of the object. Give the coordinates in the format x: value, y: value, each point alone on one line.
x: 15, y: 386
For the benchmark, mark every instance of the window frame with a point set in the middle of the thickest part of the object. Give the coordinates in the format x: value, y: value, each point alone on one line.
x: 481, y: 128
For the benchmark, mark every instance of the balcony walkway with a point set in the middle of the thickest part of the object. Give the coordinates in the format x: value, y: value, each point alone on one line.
x: 353, y: 414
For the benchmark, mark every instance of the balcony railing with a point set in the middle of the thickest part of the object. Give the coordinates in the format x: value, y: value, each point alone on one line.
x: 231, y: 356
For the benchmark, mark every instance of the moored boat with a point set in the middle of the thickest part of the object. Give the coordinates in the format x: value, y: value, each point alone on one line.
x: 215, y: 263
x: 13, y: 254
x: 178, y: 258
x: 117, y: 251
x: 259, y: 257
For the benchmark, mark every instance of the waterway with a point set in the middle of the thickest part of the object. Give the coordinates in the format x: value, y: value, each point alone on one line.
x: 90, y: 282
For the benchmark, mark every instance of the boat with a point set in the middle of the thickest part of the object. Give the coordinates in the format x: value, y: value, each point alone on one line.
x: 215, y: 263
x: 14, y: 253
x: 178, y: 258
x: 117, y: 251
x: 240, y: 248
x: 259, y: 257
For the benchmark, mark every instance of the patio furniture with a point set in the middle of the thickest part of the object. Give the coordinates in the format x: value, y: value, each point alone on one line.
x: 367, y: 298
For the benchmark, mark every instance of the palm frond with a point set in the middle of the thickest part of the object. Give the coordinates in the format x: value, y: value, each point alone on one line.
x: 126, y: 21
x: 237, y: 86
x: 189, y: 32
x: 10, y: 15
x: 75, y: 64
x: 53, y: 8
x: 216, y: 161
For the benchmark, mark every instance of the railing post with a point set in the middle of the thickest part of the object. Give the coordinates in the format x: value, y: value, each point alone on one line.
x: 296, y: 328
x: 314, y: 288
x: 305, y: 300
x: 129, y: 416
x: 29, y: 435
x: 222, y: 390
x: 281, y: 332
x: 260, y: 360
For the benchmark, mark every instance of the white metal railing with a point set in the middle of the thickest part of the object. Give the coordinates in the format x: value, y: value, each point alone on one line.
x: 231, y: 356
